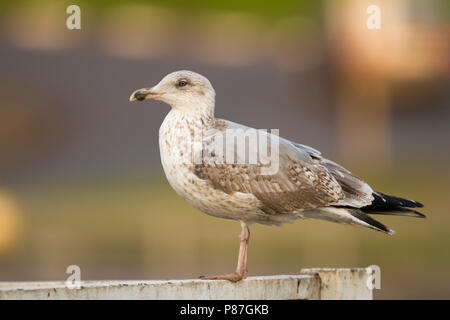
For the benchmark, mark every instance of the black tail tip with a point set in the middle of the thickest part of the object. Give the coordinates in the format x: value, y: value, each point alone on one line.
x: 382, y: 200
x: 419, y: 214
x: 418, y: 204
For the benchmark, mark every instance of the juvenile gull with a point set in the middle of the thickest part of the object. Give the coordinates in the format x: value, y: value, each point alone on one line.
x: 305, y: 184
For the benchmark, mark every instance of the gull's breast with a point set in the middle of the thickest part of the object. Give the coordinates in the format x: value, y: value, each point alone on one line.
x: 176, y: 138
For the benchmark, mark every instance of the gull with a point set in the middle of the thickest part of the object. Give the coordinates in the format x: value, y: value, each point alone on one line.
x: 304, y: 185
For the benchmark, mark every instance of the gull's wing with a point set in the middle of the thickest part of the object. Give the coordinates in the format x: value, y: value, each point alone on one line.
x: 357, y: 193
x: 301, y: 182
x: 304, y: 183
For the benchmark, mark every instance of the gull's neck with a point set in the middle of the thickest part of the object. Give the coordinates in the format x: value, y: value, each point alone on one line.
x: 201, y: 117
x: 203, y: 109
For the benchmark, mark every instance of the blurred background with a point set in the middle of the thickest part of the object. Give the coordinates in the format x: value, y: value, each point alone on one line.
x: 80, y: 176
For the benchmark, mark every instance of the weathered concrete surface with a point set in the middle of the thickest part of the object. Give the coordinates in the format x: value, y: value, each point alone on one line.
x: 343, y: 283
x: 311, y: 284
x: 272, y: 287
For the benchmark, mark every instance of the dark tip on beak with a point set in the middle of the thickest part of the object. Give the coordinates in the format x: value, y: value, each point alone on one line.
x: 145, y: 94
x: 139, y: 95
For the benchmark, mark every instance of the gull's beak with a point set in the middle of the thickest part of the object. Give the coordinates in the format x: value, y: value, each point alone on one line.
x: 144, y: 94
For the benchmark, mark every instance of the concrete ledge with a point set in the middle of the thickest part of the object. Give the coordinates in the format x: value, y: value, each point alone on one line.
x: 343, y: 283
x: 315, y: 284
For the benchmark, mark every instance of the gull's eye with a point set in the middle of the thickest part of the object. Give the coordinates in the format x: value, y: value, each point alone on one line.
x: 181, y: 83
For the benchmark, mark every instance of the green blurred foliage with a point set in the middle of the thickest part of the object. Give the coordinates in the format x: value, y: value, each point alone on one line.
x: 270, y: 9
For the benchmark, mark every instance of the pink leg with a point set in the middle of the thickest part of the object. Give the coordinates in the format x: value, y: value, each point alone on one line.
x: 241, y: 269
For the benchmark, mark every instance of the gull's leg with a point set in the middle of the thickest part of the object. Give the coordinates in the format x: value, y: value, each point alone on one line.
x: 244, y: 237
x: 241, y: 269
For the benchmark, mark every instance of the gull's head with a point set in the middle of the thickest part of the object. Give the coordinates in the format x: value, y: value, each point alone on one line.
x: 182, y: 90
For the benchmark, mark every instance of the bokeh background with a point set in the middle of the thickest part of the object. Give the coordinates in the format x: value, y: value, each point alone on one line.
x: 80, y: 176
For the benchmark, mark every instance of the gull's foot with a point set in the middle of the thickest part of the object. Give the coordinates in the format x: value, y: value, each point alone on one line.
x: 233, y: 277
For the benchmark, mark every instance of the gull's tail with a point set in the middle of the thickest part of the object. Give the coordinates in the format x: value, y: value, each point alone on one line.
x: 391, y: 205
x: 382, y: 204
x: 388, y: 205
